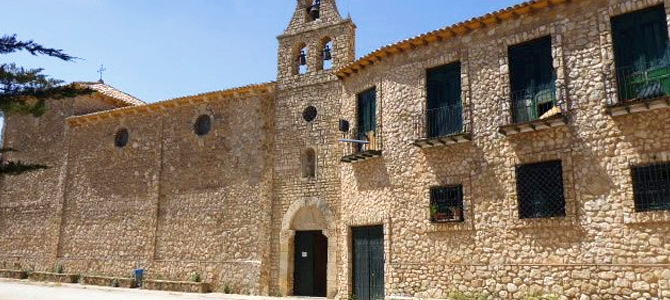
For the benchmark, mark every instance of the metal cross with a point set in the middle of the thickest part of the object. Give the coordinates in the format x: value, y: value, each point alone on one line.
x: 102, y: 69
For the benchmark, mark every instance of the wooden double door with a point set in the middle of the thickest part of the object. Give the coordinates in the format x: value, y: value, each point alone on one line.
x: 368, y: 263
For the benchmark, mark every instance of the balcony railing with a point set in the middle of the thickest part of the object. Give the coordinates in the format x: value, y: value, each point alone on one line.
x: 355, y: 152
x: 643, y: 84
x: 534, y: 109
x: 440, y: 126
x: 531, y: 104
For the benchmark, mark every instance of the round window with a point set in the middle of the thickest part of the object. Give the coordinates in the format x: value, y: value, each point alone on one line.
x: 309, y: 114
x: 202, y: 125
x: 121, y: 138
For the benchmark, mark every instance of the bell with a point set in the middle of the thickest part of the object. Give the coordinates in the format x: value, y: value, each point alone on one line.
x: 314, y: 11
x: 326, y: 53
x: 302, y: 58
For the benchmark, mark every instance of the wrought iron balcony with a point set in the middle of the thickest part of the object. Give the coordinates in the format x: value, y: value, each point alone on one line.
x: 370, y: 147
x: 533, y: 110
x: 441, y: 126
x: 641, y: 90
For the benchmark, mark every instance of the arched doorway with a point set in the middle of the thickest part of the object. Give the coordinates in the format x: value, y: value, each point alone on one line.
x: 308, y: 250
x: 310, y: 264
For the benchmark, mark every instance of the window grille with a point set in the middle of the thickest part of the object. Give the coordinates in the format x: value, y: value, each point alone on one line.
x: 446, y: 204
x: 540, y: 190
x: 651, y: 186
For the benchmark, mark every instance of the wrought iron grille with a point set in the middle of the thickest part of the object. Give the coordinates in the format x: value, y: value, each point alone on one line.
x: 439, y: 122
x: 540, y: 190
x: 638, y: 83
x: 651, y: 186
x: 446, y: 204
x: 532, y: 104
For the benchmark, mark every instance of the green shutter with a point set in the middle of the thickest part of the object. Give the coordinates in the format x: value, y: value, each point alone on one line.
x: 444, y: 115
x: 532, y: 79
x: 641, y: 53
x: 367, y: 111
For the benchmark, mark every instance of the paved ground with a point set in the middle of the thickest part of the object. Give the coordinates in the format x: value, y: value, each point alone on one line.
x: 27, y: 290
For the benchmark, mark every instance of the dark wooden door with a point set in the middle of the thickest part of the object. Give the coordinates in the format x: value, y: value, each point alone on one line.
x: 311, y: 258
x: 368, y: 262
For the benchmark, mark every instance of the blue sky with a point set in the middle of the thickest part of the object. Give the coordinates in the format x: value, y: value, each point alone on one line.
x: 162, y: 49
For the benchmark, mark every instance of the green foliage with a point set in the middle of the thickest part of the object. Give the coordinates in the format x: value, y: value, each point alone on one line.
x: 115, y: 283
x: 59, y: 269
x: 9, y: 44
x: 25, y: 91
x: 227, y: 289
x: 159, y: 276
x: 458, y: 295
x: 196, y: 277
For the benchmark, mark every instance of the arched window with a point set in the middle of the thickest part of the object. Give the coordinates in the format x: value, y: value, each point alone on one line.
x: 326, y: 55
x: 313, y: 10
x: 308, y: 162
x: 300, y: 59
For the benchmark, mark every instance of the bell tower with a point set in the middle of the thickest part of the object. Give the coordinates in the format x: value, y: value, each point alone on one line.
x: 317, y: 42
x: 307, y: 152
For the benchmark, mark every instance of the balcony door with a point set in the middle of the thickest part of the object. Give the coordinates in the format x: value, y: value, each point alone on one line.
x: 444, y: 110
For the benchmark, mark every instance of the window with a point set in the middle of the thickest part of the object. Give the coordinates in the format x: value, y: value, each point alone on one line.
x: 532, y: 80
x: 641, y: 54
x: 308, y: 162
x: 202, y: 125
x: 367, y: 117
x: 309, y: 114
x: 446, y: 204
x: 540, y: 190
x: 651, y: 186
x: 444, y: 110
x: 121, y: 138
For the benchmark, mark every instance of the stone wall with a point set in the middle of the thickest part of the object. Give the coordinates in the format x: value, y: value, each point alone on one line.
x: 303, y: 204
x: 226, y: 205
x: 170, y: 201
x: 30, y: 204
x: 601, y: 249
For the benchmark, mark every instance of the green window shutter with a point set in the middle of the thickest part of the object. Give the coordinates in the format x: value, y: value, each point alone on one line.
x: 444, y: 115
x: 531, y: 65
x: 444, y: 86
x: 641, y: 39
x: 367, y: 111
x: 532, y: 79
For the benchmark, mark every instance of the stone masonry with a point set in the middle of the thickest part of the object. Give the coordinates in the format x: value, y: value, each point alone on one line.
x: 227, y: 204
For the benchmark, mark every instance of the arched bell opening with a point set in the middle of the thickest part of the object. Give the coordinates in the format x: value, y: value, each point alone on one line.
x: 308, y: 250
x: 326, y: 54
x: 300, y: 55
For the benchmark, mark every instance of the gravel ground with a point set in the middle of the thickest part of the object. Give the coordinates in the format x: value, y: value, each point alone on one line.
x: 28, y: 290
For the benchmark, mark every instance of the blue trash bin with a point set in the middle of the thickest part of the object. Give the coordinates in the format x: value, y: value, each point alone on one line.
x: 139, y: 276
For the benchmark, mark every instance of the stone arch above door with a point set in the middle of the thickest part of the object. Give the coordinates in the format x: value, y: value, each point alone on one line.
x: 307, y: 215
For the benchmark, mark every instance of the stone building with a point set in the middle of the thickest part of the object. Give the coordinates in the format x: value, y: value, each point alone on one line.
x: 524, y: 152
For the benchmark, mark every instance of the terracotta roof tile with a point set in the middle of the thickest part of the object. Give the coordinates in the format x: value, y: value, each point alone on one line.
x: 444, y: 33
x: 109, y: 91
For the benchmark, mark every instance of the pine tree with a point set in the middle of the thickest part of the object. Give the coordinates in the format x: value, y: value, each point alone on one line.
x: 25, y: 91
